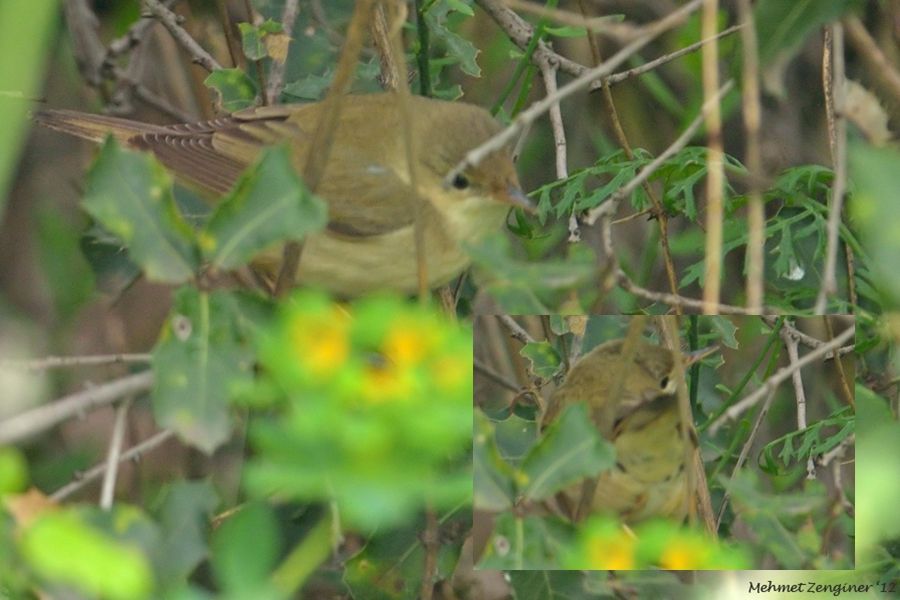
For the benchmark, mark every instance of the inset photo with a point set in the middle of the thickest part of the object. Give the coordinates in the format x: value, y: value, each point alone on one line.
x: 663, y: 442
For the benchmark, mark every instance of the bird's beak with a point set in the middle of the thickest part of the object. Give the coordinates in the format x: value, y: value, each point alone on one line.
x: 515, y: 196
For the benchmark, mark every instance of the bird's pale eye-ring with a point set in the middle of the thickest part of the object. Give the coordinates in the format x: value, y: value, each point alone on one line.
x: 460, y: 182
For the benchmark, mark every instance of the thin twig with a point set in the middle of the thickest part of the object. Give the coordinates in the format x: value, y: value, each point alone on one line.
x: 276, y: 71
x: 806, y: 339
x: 171, y: 22
x: 756, y: 214
x: 627, y: 74
x: 431, y: 545
x: 779, y: 376
x: 842, y: 375
x: 107, y: 490
x: 630, y: 286
x: 715, y: 174
x: 515, y: 330
x: 799, y: 394
x: 629, y: 188
x: 21, y: 426
x: 134, y: 453
x: 494, y: 376
x: 839, y: 143
x: 745, y: 450
x: 50, y: 362
x: 659, y: 213
x: 876, y: 62
x: 528, y: 116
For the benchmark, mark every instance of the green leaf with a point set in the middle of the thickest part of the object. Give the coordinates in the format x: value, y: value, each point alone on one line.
x: 245, y: 549
x: 252, y: 38
x: 268, y: 204
x: 236, y: 89
x: 184, y: 512
x: 571, y: 449
x: 130, y: 195
x: 493, y: 477
x: 26, y: 39
x: 113, y: 270
x: 876, y: 175
x: 517, y: 283
x: 548, y: 585
x: 788, y: 24
x: 458, y: 48
x: 545, y: 360
x: 526, y: 543
x: 726, y: 330
x: 199, y: 356
x: 13, y: 470
x: 65, y: 548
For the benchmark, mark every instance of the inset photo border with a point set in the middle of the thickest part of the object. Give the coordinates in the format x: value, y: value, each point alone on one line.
x: 637, y: 442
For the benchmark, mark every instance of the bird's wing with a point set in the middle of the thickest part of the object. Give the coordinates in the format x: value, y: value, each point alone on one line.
x: 365, y: 196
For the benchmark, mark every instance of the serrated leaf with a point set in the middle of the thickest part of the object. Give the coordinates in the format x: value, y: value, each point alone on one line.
x: 236, y: 90
x: 726, y: 329
x: 458, y: 47
x: 571, y: 449
x: 254, y: 39
x: 268, y: 204
x: 545, y: 360
x: 130, y: 195
x: 199, y: 355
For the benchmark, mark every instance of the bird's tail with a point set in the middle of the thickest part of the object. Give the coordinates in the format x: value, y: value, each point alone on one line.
x: 93, y: 127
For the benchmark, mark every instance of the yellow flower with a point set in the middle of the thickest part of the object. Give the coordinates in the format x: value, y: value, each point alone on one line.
x: 322, y: 342
x: 684, y: 554
x: 408, y: 342
x: 386, y: 382
x: 611, y: 552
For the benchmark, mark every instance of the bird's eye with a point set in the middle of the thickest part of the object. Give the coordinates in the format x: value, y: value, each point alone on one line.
x: 664, y: 382
x: 460, y: 182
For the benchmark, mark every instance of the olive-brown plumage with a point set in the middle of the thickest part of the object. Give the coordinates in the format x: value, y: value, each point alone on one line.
x: 369, y: 241
x: 649, y: 477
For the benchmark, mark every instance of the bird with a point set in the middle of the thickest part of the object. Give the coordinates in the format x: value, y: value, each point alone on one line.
x: 369, y: 241
x: 649, y: 478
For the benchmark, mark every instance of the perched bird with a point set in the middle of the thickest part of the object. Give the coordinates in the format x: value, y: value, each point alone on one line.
x: 369, y: 242
x: 649, y: 478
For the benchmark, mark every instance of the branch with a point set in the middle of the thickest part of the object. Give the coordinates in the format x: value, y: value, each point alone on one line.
x: 838, y: 134
x: 171, y: 22
x: 276, y: 72
x: 515, y: 330
x: 799, y: 394
x: 135, y: 453
x: 21, y: 426
x: 107, y: 491
x: 528, y: 116
x: 779, y: 376
x: 49, y: 362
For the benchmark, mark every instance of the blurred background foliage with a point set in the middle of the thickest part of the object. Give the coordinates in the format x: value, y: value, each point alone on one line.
x: 184, y: 517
